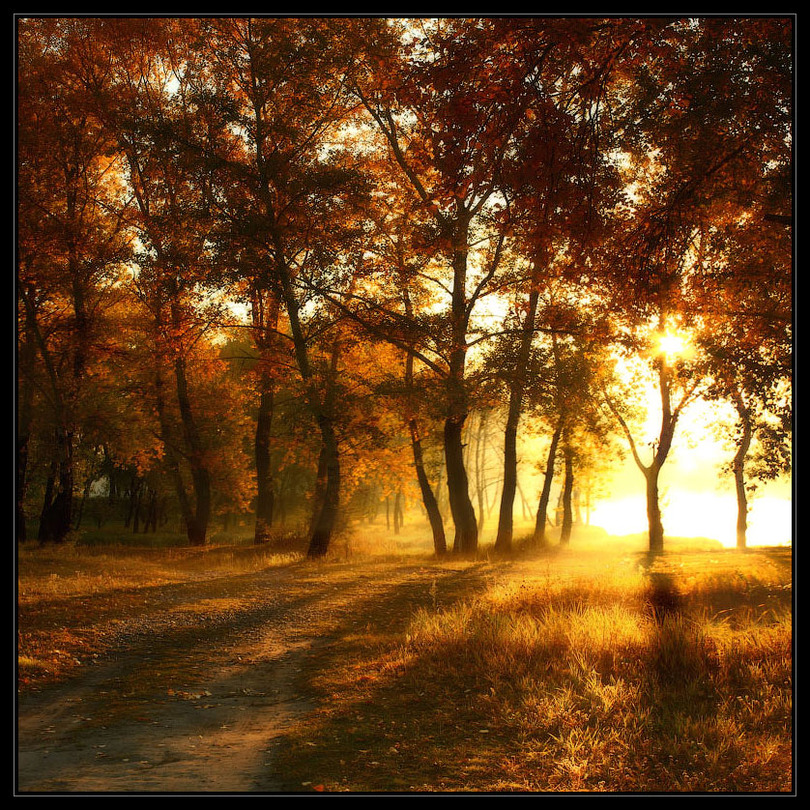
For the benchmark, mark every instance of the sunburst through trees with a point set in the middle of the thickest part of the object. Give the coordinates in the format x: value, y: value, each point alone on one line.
x: 448, y: 240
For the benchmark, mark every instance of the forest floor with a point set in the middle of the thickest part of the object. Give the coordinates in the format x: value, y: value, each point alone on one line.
x: 227, y: 671
x: 193, y: 686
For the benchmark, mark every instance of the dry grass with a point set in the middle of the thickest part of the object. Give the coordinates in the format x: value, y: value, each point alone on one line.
x: 68, y: 595
x: 72, y: 570
x: 591, y: 670
x: 581, y: 673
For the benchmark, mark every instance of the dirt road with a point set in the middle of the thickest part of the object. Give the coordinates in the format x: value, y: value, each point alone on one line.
x: 197, y: 692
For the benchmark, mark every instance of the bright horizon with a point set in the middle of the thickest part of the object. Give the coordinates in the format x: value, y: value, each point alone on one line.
x: 696, y: 496
x: 712, y: 515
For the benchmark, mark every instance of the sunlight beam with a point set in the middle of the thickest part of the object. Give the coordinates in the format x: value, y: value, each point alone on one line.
x: 673, y: 345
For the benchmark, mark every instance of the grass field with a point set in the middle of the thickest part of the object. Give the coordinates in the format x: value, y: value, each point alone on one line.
x: 596, y: 668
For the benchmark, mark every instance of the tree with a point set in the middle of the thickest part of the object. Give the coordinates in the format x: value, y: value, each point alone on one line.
x: 569, y: 368
x: 71, y: 245
x: 676, y: 387
x: 439, y: 106
x: 398, y: 317
x: 559, y: 181
x: 428, y: 497
x: 151, y: 105
x: 746, y: 339
x: 287, y: 195
x: 695, y: 135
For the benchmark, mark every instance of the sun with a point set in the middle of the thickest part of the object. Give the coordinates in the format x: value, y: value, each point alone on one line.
x: 672, y: 344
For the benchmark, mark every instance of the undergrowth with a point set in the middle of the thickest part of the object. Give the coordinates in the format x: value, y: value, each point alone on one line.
x: 585, y: 671
x: 584, y: 674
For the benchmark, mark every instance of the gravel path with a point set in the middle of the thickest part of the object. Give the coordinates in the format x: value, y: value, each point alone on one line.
x: 197, y: 693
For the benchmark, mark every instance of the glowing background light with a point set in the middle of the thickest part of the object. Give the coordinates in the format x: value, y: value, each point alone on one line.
x: 672, y: 344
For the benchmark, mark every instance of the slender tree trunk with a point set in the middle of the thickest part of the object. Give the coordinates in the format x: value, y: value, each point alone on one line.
x: 200, y: 477
x: 23, y: 437
x: 265, y: 322
x: 539, y: 538
x: 328, y: 514
x: 428, y: 498
x: 50, y: 484
x: 82, y: 501
x: 441, y: 493
x: 738, y: 466
x: 503, y: 540
x: 669, y: 419
x: 458, y: 492
x: 56, y: 518
x: 398, y: 518
x: 656, y: 527
x: 525, y: 511
x: 27, y: 353
x: 742, y: 507
x: 196, y: 516
x: 136, y: 510
x: 651, y: 471
x: 172, y: 462
x: 326, y: 521
x: 265, y: 495
x: 152, y: 513
x: 319, y: 489
x: 480, y: 469
x: 568, y: 486
x: 577, y: 504
x: 461, y: 508
x: 131, y: 505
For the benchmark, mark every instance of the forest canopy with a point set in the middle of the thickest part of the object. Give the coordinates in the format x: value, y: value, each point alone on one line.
x: 296, y: 268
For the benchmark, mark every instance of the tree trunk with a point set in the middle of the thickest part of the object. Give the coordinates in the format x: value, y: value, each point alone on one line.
x: 651, y: 471
x: 480, y: 469
x: 136, y: 509
x: 328, y: 514
x: 568, y: 486
x: 656, y: 527
x: 738, y: 466
x: 22, y: 483
x: 428, y: 498
x: 503, y: 540
x: 265, y: 313
x: 742, y: 507
x: 397, y: 512
x: 319, y: 490
x: 24, y: 421
x: 151, y: 521
x: 265, y: 495
x: 461, y: 508
x: 669, y: 419
x: 200, y: 477
x: 539, y: 538
x: 168, y: 439
x: 132, y: 500
x: 321, y: 409
x: 56, y: 517
x: 82, y: 501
